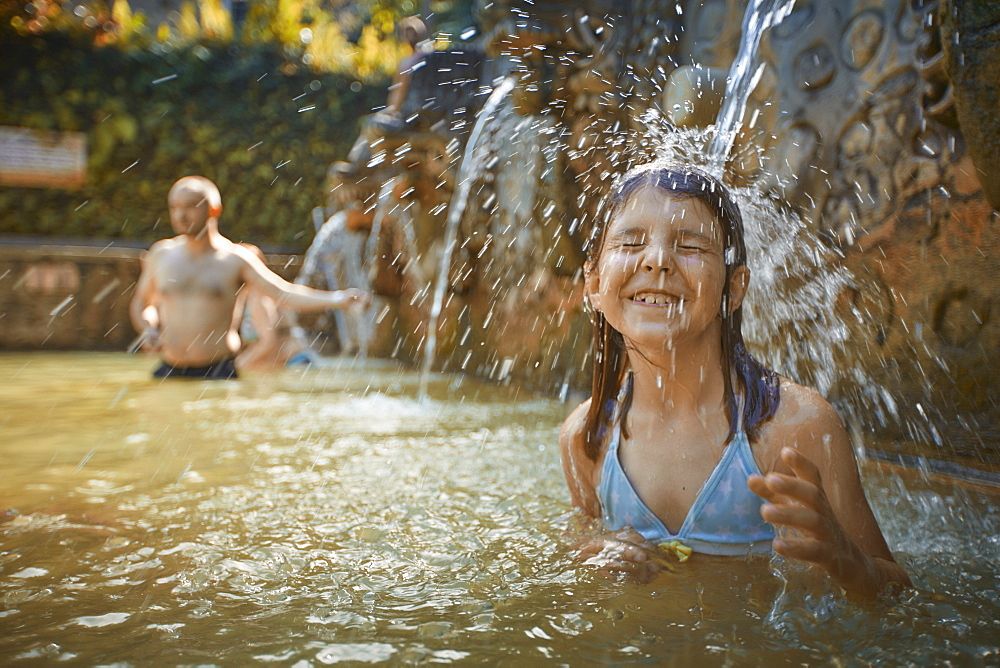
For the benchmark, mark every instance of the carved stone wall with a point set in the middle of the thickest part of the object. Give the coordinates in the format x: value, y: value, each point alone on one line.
x: 858, y: 122
x: 971, y: 50
x: 855, y: 124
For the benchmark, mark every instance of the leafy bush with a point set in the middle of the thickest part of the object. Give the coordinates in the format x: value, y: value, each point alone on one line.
x: 260, y: 124
x: 261, y: 108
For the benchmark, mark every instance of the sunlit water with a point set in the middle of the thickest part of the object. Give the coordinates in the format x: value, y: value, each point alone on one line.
x: 311, y: 518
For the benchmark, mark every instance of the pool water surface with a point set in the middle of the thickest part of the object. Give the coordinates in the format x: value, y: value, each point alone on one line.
x: 307, y: 518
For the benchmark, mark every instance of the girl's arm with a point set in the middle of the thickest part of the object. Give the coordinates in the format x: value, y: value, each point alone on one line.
x: 622, y: 552
x: 814, y: 489
x: 577, y: 467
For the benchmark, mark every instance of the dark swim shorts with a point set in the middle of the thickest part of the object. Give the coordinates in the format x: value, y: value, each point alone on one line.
x: 224, y: 370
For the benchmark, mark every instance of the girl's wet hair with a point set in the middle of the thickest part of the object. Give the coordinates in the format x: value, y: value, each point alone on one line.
x: 751, y: 390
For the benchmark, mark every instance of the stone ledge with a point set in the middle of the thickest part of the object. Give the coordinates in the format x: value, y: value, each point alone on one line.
x: 70, y: 295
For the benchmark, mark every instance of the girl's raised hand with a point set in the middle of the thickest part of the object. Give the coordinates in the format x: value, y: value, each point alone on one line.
x: 798, y: 502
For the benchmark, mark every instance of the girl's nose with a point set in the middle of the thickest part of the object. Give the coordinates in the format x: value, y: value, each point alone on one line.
x: 657, y: 258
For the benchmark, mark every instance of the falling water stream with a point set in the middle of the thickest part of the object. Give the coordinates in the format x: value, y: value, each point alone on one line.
x: 743, y: 77
x: 472, y: 162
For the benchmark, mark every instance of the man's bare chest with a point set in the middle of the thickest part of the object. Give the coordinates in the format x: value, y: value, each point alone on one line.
x: 200, y: 277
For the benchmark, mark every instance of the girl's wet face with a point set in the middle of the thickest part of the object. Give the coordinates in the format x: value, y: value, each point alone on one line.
x: 660, y: 274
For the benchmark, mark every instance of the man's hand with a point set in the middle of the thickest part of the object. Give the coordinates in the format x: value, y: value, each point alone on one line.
x: 352, y: 299
x: 148, y: 341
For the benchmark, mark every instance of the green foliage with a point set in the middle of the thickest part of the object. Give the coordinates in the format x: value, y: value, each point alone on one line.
x: 261, y: 108
x: 349, y: 36
x: 262, y: 127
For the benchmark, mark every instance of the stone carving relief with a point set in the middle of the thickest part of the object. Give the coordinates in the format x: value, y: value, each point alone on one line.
x: 854, y: 122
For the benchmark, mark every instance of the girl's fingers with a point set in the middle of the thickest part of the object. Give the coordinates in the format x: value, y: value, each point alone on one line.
x: 802, y: 466
x: 760, y: 487
x: 631, y: 536
x: 632, y: 553
x: 765, y: 489
x: 804, y: 487
x: 780, y: 488
x: 642, y: 573
x: 613, y: 550
x: 795, y: 489
x: 795, y: 517
x: 590, y: 550
x: 803, y: 549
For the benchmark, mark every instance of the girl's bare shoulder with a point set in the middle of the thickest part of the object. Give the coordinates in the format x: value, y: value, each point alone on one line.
x: 805, y: 420
x: 800, y: 404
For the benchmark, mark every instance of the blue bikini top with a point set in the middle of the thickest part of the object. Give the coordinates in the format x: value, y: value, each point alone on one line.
x: 724, y: 518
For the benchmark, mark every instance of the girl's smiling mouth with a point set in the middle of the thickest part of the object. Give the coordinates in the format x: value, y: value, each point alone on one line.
x: 656, y: 299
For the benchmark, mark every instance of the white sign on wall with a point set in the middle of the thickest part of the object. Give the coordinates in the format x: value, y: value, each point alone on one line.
x: 37, y: 159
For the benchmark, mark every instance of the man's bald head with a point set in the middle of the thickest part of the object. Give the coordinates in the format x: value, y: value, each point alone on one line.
x: 205, y: 187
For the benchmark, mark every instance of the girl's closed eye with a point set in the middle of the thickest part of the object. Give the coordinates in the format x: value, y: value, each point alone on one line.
x: 695, y: 243
x: 630, y: 239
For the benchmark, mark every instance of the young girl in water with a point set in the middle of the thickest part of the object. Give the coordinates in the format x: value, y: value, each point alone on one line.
x: 687, y: 441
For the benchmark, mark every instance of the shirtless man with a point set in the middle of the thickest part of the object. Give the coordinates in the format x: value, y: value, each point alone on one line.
x: 191, y: 285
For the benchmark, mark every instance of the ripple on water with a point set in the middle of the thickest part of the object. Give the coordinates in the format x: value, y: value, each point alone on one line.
x: 372, y: 652
x: 97, y: 621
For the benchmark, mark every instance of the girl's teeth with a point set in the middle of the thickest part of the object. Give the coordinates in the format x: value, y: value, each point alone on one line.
x: 659, y: 300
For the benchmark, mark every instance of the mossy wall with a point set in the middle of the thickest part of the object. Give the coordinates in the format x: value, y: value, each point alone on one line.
x: 264, y: 128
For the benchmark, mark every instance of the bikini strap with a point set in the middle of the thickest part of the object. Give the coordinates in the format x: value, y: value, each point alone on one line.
x: 742, y: 443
